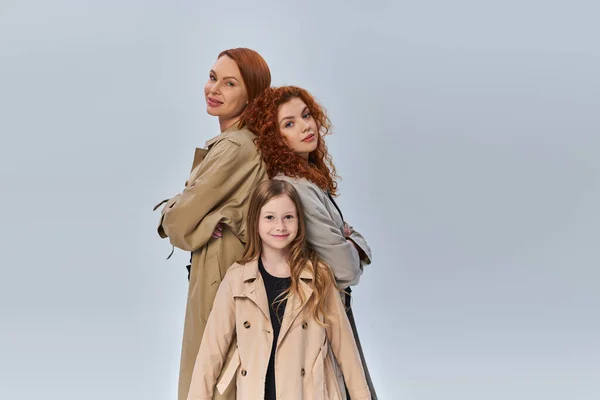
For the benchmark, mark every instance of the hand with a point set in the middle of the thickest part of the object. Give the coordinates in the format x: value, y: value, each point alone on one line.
x: 218, y: 233
x: 348, y: 230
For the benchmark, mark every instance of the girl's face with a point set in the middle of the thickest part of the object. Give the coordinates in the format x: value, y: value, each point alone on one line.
x: 225, y: 92
x: 278, y: 223
x: 298, y: 127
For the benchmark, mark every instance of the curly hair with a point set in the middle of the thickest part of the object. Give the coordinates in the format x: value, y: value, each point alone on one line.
x: 260, y: 117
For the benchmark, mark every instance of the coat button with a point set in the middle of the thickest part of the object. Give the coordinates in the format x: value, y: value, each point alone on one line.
x: 246, y: 324
x: 304, y: 325
x: 302, y: 372
x: 244, y: 372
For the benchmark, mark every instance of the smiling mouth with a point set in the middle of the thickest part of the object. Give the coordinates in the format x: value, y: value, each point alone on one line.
x: 213, y: 102
x: 309, y: 138
x: 281, y: 236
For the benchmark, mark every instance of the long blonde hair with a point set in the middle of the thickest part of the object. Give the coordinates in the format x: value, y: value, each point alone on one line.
x: 301, y: 255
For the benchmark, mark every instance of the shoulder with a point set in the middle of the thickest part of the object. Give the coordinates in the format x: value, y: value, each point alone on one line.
x: 237, y: 147
x: 243, y: 139
x: 234, y: 274
x: 313, y: 198
x: 302, y: 185
x: 235, y: 269
x: 240, y: 136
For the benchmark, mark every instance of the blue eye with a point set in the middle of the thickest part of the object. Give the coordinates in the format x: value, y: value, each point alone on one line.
x: 289, y: 124
x: 306, y: 115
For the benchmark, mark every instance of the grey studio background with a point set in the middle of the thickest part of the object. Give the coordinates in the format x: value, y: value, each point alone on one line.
x: 467, y: 135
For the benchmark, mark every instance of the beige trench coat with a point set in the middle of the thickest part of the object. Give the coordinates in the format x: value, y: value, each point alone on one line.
x: 303, y: 369
x: 218, y: 189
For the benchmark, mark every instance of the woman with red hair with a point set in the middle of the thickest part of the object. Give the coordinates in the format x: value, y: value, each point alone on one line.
x: 290, y: 127
x: 208, y: 218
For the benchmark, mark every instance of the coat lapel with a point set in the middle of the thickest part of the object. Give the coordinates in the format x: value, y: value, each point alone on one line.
x: 255, y: 288
x: 293, y: 307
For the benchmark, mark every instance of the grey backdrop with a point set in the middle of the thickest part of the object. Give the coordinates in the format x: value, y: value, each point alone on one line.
x: 467, y: 134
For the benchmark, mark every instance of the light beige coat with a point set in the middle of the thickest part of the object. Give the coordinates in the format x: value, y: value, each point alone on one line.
x: 303, y: 369
x: 222, y: 179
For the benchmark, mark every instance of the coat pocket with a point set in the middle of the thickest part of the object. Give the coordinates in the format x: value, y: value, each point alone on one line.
x: 211, y: 279
x: 318, y: 375
x: 334, y: 379
x: 230, y: 372
x: 328, y: 382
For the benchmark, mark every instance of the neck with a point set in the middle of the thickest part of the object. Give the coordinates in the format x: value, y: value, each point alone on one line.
x: 276, y: 261
x: 304, y: 158
x: 226, y: 123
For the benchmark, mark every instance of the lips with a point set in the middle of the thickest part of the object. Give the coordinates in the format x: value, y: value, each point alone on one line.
x: 309, y: 138
x: 280, y: 237
x: 213, y: 102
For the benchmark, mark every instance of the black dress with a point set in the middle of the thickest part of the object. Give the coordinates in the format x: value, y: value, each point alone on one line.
x: 274, y: 286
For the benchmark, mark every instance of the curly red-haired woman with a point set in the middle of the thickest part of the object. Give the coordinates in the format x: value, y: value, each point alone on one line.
x: 290, y: 127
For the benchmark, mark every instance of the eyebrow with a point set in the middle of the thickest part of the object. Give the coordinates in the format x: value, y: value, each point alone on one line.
x: 290, y: 117
x: 225, y: 77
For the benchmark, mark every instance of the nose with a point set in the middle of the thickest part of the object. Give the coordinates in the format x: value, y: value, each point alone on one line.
x: 306, y: 126
x: 215, y: 88
x: 281, y: 226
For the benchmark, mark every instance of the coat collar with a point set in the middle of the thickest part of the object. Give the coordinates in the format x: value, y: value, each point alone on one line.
x: 251, y: 271
x: 254, y: 289
x: 233, y: 128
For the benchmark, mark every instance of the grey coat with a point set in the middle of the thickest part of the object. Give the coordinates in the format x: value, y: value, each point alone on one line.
x: 325, y: 233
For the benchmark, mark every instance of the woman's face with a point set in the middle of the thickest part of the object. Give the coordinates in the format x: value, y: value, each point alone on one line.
x: 298, y: 127
x: 225, y: 92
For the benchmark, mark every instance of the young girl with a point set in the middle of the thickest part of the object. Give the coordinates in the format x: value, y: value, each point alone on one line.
x: 281, y: 303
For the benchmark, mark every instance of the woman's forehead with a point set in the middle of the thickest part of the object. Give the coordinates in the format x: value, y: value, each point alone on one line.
x: 226, y: 67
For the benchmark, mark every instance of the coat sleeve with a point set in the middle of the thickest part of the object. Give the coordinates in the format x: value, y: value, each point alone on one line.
x: 343, y: 345
x: 225, y: 167
x: 328, y: 240
x: 362, y: 243
x: 218, y: 334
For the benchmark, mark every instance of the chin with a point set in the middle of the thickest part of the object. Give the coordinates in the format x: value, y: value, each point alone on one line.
x: 278, y: 245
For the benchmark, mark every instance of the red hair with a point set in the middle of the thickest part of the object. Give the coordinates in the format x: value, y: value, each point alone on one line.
x: 254, y: 69
x: 260, y: 117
